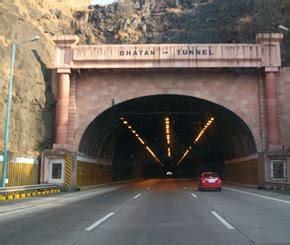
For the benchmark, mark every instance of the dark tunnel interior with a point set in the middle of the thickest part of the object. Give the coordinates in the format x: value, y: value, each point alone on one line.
x: 113, y: 136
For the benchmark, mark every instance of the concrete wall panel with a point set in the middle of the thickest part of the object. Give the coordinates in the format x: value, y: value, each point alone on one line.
x: 243, y: 172
x: 93, y: 174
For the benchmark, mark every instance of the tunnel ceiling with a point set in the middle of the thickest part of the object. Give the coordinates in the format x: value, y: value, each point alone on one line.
x: 227, y: 137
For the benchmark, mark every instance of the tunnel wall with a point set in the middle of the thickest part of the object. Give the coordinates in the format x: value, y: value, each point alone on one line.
x: 243, y: 170
x: 138, y: 164
x: 90, y: 172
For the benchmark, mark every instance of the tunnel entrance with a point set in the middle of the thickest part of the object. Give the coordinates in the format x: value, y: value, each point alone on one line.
x: 153, y: 135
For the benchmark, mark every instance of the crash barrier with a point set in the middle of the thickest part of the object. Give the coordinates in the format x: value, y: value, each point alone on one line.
x: 17, y: 192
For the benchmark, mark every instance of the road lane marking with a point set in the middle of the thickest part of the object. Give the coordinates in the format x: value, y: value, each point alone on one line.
x: 222, y: 220
x: 257, y: 195
x: 100, y: 221
x: 193, y: 195
x: 135, y: 197
x: 24, y: 209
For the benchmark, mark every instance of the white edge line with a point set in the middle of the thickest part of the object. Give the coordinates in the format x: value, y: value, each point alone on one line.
x: 135, y: 197
x: 257, y: 195
x: 100, y: 221
x: 48, y: 204
x: 193, y: 195
x: 223, y: 221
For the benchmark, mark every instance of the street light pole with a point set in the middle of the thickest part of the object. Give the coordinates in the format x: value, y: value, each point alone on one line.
x: 6, y: 140
x: 8, y: 117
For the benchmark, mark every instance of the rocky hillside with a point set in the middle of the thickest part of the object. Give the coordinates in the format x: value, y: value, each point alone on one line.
x: 145, y: 21
x: 33, y: 106
x: 183, y: 21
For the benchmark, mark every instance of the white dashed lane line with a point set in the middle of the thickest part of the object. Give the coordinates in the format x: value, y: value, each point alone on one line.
x: 135, y: 197
x: 100, y: 221
x: 193, y: 195
x: 223, y: 221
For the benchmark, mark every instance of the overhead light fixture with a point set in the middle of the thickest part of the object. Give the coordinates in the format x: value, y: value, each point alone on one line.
x: 167, y: 135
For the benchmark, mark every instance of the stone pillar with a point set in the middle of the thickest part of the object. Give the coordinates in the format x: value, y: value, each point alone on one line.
x: 271, y: 107
x: 269, y: 48
x: 62, y: 109
x: 63, y: 62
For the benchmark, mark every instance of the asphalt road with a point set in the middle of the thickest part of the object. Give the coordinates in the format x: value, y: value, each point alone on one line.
x: 165, y: 211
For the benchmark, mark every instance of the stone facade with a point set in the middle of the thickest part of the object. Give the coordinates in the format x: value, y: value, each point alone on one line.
x: 236, y: 92
x: 100, y: 74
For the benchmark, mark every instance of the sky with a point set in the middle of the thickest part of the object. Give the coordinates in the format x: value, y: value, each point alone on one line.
x: 101, y: 2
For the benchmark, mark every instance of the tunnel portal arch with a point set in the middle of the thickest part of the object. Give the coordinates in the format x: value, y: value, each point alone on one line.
x: 238, y: 93
x: 100, y: 121
x: 108, y: 140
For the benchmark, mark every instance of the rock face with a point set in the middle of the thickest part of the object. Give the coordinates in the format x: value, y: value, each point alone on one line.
x: 32, y: 105
x: 140, y: 21
x: 184, y: 21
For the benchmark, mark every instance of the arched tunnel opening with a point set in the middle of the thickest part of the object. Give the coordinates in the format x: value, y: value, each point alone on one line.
x: 148, y: 137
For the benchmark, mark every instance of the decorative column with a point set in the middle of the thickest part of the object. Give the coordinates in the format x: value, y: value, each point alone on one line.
x: 63, y: 64
x: 62, y: 109
x: 271, y: 107
x: 269, y: 49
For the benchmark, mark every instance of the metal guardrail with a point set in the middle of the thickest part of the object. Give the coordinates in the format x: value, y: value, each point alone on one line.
x: 13, y: 189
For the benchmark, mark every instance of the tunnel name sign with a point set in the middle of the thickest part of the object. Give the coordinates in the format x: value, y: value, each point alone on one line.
x: 190, y: 51
x: 264, y: 53
x: 167, y: 52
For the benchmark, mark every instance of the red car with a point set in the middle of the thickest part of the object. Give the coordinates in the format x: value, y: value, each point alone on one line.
x: 210, y: 181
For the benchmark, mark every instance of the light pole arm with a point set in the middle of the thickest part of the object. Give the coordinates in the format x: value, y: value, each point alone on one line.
x: 4, y: 165
x: 284, y: 28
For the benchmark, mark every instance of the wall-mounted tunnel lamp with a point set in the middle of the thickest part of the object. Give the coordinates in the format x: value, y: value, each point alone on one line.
x: 183, y: 156
x: 134, y: 132
x: 202, y: 131
x: 14, y: 45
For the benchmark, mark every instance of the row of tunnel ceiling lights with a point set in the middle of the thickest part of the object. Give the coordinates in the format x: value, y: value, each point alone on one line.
x: 202, y: 131
x: 167, y: 130
x: 135, y: 133
x: 167, y: 133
